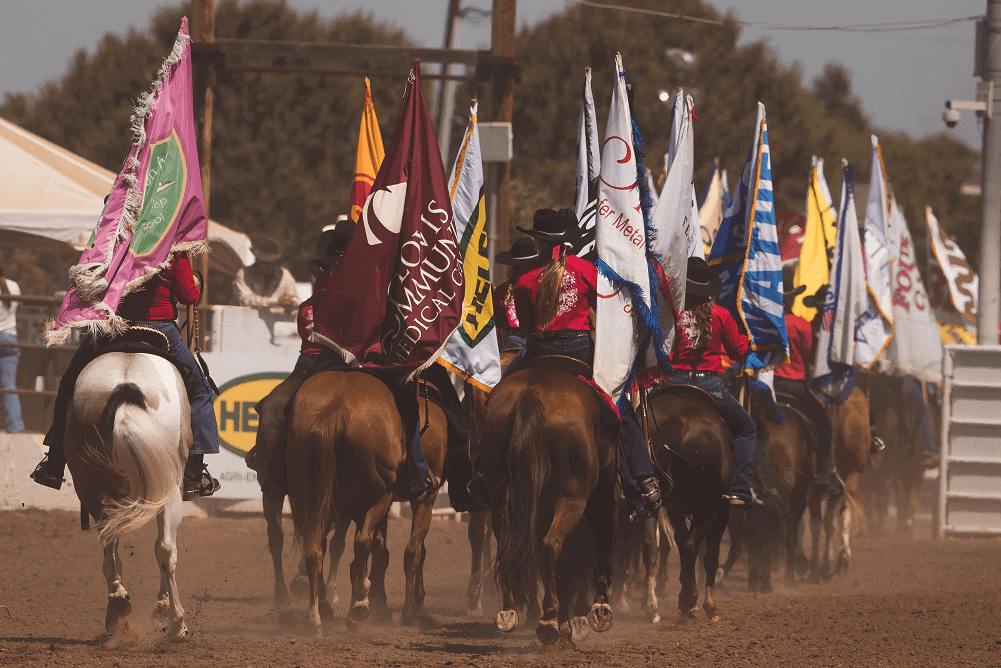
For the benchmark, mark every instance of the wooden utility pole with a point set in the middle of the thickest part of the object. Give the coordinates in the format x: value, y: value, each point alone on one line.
x: 205, y: 33
x: 502, y: 95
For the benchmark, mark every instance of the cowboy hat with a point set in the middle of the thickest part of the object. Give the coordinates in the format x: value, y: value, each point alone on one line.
x: 552, y: 225
x: 268, y: 250
x: 702, y: 280
x: 522, y: 252
x: 817, y: 299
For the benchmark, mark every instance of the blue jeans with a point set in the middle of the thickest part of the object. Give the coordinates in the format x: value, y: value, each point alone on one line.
x: 739, y: 423
x: 204, y: 430
x: 513, y: 340
x: 9, y: 357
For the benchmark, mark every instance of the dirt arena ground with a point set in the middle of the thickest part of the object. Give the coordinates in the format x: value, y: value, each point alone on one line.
x: 909, y: 604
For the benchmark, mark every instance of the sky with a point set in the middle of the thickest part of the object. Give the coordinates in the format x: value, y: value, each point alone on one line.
x: 903, y: 79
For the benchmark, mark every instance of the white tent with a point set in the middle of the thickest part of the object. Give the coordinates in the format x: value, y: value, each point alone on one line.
x: 50, y: 192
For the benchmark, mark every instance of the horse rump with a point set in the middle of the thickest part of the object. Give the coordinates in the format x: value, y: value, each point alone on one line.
x: 312, y: 471
x: 143, y: 452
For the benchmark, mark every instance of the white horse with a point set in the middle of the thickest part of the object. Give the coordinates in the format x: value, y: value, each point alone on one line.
x: 127, y: 437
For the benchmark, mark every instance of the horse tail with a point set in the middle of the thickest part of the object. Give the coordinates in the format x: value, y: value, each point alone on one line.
x: 314, y: 475
x: 528, y: 467
x: 857, y: 512
x: 145, y: 453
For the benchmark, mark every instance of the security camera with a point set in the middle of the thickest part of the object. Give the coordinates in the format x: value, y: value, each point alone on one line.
x: 951, y: 117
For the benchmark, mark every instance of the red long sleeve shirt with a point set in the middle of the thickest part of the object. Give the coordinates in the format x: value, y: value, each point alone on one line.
x: 723, y: 337
x: 155, y: 299
x: 577, y: 294
x: 505, y: 315
x: 800, y: 348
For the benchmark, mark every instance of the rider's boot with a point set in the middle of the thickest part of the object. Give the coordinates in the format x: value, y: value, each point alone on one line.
x: 198, y: 481
x: 49, y: 471
x: 647, y: 501
x: 877, y: 444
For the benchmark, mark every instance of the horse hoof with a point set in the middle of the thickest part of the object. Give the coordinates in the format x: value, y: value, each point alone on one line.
x: 179, y: 633
x: 475, y: 610
x: 600, y: 617
x: 655, y: 618
x: 714, y: 619
x: 506, y: 620
x: 360, y: 611
x: 720, y: 573
x: 842, y: 566
x: 118, y: 608
x: 548, y: 631
x: 579, y: 629
x: 299, y: 586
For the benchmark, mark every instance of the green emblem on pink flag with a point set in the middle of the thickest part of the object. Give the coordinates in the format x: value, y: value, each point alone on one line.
x: 156, y: 207
x: 165, y: 184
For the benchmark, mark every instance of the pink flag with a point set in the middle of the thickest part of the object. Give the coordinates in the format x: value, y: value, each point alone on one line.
x: 156, y: 207
x: 396, y: 296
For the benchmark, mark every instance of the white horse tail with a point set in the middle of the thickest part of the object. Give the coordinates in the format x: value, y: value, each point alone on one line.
x: 146, y: 454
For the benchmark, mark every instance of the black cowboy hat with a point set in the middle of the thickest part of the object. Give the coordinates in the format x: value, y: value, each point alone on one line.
x: 793, y: 292
x: 333, y: 240
x: 702, y: 280
x: 817, y: 299
x: 522, y: 252
x: 268, y: 250
x: 552, y: 225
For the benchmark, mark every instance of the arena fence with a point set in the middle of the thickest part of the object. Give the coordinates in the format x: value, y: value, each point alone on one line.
x: 970, y: 473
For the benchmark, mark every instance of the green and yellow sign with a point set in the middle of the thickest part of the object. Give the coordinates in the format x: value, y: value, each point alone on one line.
x: 163, y: 194
x: 234, y: 409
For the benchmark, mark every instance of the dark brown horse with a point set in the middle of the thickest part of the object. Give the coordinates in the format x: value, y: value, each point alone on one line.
x: 691, y: 449
x: 897, y: 472
x: 347, y: 458
x: 549, y: 462
x: 270, y: 423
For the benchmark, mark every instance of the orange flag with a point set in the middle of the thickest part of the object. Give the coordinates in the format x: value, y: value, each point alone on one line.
x: 369, y: 156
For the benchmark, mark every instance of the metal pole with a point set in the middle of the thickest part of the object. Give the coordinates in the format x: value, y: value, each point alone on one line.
x: 205, y: 33
x: 502, y: 44
x: 492, y: 240
x: 990, y: 213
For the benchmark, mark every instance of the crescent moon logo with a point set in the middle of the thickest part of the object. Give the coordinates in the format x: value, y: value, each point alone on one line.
x: 626, y: 158
x: 387, y: 207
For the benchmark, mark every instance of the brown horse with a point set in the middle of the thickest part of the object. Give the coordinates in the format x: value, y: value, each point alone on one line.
x: 640, y: 559
x: 128, y: 433
x: 852, y: 442
x: 789, y: 468
x: 347, y: 456
x: 270, y: 423
x: 548, y: 462
x: 691, y: 449
x: 897, y: 472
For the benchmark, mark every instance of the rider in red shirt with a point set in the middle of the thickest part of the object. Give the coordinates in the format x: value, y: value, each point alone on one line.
x: 523, y: 253
x: 554, y: 298
x: 705, y: 331
x: 790, y: 380
x: 153, y: 305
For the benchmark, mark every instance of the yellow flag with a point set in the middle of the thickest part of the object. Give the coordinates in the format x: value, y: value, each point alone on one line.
x: 369, y: 157
x: 814, y: 268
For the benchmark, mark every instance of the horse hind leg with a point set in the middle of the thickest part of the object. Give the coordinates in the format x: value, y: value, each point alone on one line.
x: 337, y: 544
x: 119, y: 606
x: 413, y: 559
x: 380, y: 564
x: 566, y: 516
x: 713, y: 540
x: 167, y: 610
x: 359, y: 610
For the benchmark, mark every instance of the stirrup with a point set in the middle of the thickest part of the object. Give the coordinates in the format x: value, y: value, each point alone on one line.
x: 204, y: 485
x: 44, y: 476
x: 877, y: 445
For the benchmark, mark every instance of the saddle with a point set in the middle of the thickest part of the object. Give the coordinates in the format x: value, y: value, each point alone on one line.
x: 139, y: 338
x: 570, y: 365
x: 788, y: 404
x: 681, y: 391
x: 583, y: 371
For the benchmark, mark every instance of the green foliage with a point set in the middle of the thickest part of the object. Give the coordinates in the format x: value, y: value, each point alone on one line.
x: 283, y: 146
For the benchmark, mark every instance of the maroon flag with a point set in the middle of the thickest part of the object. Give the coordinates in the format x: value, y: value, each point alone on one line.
x: 396, y: 296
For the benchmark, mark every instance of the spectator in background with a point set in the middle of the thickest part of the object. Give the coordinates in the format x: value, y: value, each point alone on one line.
x: 266, y: 284
x: 10, y: 355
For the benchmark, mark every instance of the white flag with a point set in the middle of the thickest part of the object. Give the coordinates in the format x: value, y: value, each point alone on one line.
x: 961, y: 283
x: 588, y: 164
x: 916, y: 346
x: 673, y: 221
x: 846, y: 300
x: 714, y: 206
x: 876, y: 324
x: 623, y: 277
x: 472, y: 352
